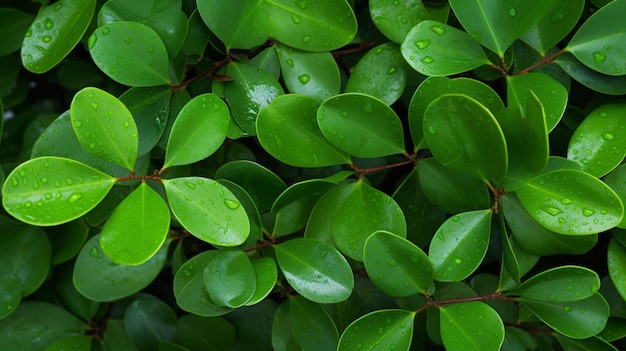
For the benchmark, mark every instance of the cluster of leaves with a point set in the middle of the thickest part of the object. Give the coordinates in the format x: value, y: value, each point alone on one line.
x: 290, y: 175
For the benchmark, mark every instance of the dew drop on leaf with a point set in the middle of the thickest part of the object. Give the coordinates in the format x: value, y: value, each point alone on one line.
x: 551, y: 210
x: 439, y: 30
x: 427, y: 59
x: 190, y: 185
x: 567, y: 308
x: 306, y: 38
x: 422, y: 44
x: 74, y: 197
x: 599, y: 56
x: 304, y: 78
x: 290, y: 62
x: 58, y: 7
x: 92, y: 41
x: 106, y: 31
x: 48, y: 24
x: 296, y: 19
x: 94, y: 252
x: 46, y: 38
x: 128, y: 40
x: 301, y: 4
x: 587, y: 212
x: 608, y: 136
x: 458, y: 260
x: 512, y: 12
x: 232, y: 204
x: 368, y: 108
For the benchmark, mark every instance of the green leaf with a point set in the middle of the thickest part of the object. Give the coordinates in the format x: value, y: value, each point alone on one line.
x: 238, y: 24
x: 433, y: 87
x: 54, y: 33
x: 571, y: 202
x: 551, y: 94
x: 149, y: 321
x: 381, y: 73
x: 137, y: 228
x: 13, y: 25
x: 460, y: 331
x: 198, y: 333
x: 208, y: 210
x: 436, y: 49
x: 558, y: 21
x: 364, y: 211
x: 598, y: 41
x: 616, y: 259
x: 256, y: 231
x: 560, y: 284
x: 361, y: 125
x: 385, y: 16
x: 463, y: 135
x: 526, y: 56
x: 288, y: 130
x: 294, y: 216
x: 251, y: 90
x: 615, y: 181
x: 396, y: 266
x: 142, y: 62
x: 282, y: 336
x: 53, y: 190
x: 320, y: 221
x: 314, y: 74
x: 575, y: 319
x: 311, y: 325
x: 99, y: 279
x: 594, y: 343
x: 191, y: 296
x: 266, y: 276
x: 301, y: 190
x: 165, y: 17
x: 199, y: 130
x: 599, y: 142
x: 105, y: 127
x: 69, y: 238
x: 497, y: 24
x: 77, y: 342
x: 229, y: 278
x: 315, y: 270
x: 611, y: 85
x: 72, y: 299
x: 379, y: 330
x: 268, y: 61
x: 460, y: 245
x: 116, y: 337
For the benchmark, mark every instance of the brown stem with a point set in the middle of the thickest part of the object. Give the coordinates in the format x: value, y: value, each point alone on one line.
x: 364, y: 171
x: 544, y: 61
x: 366, y: 45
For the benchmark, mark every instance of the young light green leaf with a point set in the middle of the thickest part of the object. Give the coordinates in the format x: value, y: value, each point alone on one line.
x: 311, y: 325
x: 385, y: 16
x: 379, y: 330
x: 460, y: 245
x: 575, y: 319
x: 266, y: 275
x: 229, y: 278
x: 571, y: 202
x: 436, y: 49
x: 396, y: 266
x: 52, y: 190
x: 598, y: 43
x: 611, y: 85
x: 105, y: 127
x: 315, y: 270
x: 361, y: 125
x: 137, y: 228
x: 599, y: 142
x: 560, y: 284
x: 199, y: 130
x: 464, y: 135
x: 363, y: 212
x: 288, y: 130
x: 208, y: 210
x: 460, y: 332
x: 558, y: 21
x: 54, y: 33
x: 142, y: 62
x: 616, y: 259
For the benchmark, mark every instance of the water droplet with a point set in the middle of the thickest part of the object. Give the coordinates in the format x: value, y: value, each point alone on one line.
x: 128, y: 40
x: 29, y: 33
x: 290, y: 62
x: 368, y: 108
x: 46, y: 38
x: 57, y: 7
x: 296, y: 19
x: 94, y: 105
x: 150, y: 48
x: 404, y: 20
x: 392, y: 70
x: 106, y: 31
x: 587, y: 212
x: 431, y: 130
x: 512, y: 12
x: 455, y: 218
x: 74, y: 197
x: 187, y: 273
x: 422, y: 44
x: 94, y: 252
x: 306, y: 38
x: 15, y: 182
x: 190, y: 185
x: 439, y: 30
x: 608, y: 136
x: 48, y: 196
x: 344, y: 114
x: 188, y: 198
x: 304, y: 78
x: 599, y: 56
x: 551, y: 210
x: 92, y: 41
x: 48, y: 24
x: 69, y: 181
x: 566, y: 201
x: 562, y: 220
x: 427, y: 59
x: 458, y: 260
x: 380, y: 331
x: 392, y: 263
x: 567, y: 308
x: 232, y: 204
x: 301, y: 4
x: 126, y: 124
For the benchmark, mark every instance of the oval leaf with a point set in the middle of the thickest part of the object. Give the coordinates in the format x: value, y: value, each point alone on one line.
x: 361, y: 125
x: 199, y: 130
x: 288, y: 130
x: 385, y: 16
x: 611, y: 85
x: 460, y: 245
x: 396, y: 266
x: 312, y: 326
x: 54, y: 33
x: 558, y: 21
x: 461, y: 332
x: 137, y: 228
x: 315, y: 270
x: 266, y: 276
x: 142, y: 62
x: 53, y: 190
x: 229, y: 278
x: 379, y: 330
x: 105, y: 127
x: 571, y: 202
x: 616, y: 259
x: 238, y: 24
x: 208, y: 210
x: 561, y: 284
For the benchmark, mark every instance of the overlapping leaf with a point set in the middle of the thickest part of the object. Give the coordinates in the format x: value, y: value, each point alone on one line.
x: 558, y: 21
x: 561, y: 284
x: 379, y: 330
x: 460, y: 332
x: 385, y: 16
x: 229, y: 278
x: 312, y: 326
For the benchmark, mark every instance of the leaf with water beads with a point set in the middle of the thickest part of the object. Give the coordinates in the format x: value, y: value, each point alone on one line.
x: 52, y: 190
x: 460, y: 330
x: 561, y: 284
x: 385, y: 15
x: 208, y: 210
x: 105, y: 127
x: 558, y: 21
x: 379, y: 330
x: 571, y: 202
x: 229, y: 278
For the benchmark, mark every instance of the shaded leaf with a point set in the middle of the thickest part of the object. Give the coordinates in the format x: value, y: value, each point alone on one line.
x: 611, y: 85
x: 379, y: 330
x: 149, y: 321
x: 320, y: 221
x: 311, y: 325
x: 77, y: 342
x: 458, y: 331
x: 238, y: 24
x: 200, y: 333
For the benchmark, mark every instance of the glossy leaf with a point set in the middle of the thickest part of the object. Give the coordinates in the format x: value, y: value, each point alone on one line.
x: 229, y: 278
x: 300, y: 190
x: 54, y: 33
x: 199, y: 130
x: 385, y: 16
x: 288, y: 130
x: 198, y: 36
x: 616, y: 259
x: 208, y: 210
x: 460, y: 245
x: 615, y: 181
x: 314, y: 74
x: 561, y: 284
x: 315, y: 270
x: 575, y: 319
x: 116, y: 337
x: 598, y: 41
x: 105, y: 127
x: 145, y: 332
x: 311, y: 325
x: 361, y: 125
x: 381, y: 73
x: 599, y: 142
x: 396, y: 266
x: 137, y: 228
x: 256, y: 232
x: 436, y: 49
x: 558, y: 21
x: 595, y: 343
x: 364, y: 211
x: 52, y: 190
x: 266, y: 276
x: 379, y: 330
x: 14, y: 24
x: 320, y: 221
x: 238, y: 24
x: 142, y: 63
x: 571, y: 202
x: 462, y: 134
x: 611, y: 85
x: 99, y: 279
x: 294, y: 216
x: 458, y: 331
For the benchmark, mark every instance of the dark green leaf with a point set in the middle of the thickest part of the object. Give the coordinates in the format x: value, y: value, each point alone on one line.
x: 294, y: 216
x: 615, y: 181
x: 282, y: 336
x: 197, y: 35
x: 561, y: 284
x: 199, y: 333
x: 612, y: 85
x: 149, y: 321
x: 379, y: 330
x: 256, y: 232
x: 230, y: 279
x: 385, y: 16
x: 301, y: 190
x: 590, y: 344
x: 616, y: 259
x: 116, y: 337
x: 77, y: 342
x: 75, y: 302
x: 311, y: 325
x: 238, y: 24
x: 13, y: 25
x: 460, y: 330
x: 558, y: 21
x: 69, y: 238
